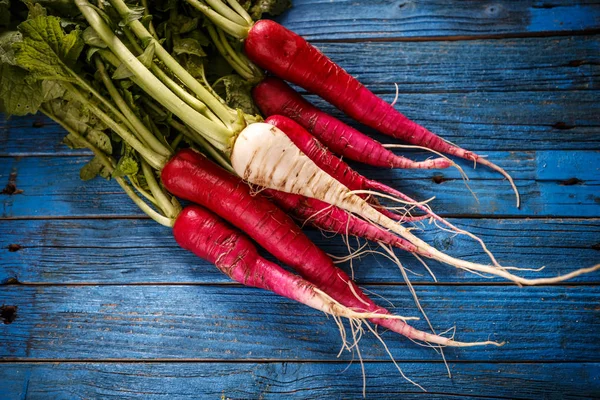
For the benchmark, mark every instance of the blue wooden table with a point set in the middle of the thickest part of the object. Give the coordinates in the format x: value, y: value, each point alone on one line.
x: 98, y: 301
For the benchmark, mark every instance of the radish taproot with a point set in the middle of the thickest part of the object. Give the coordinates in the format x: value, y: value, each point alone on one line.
x: 274, y: 97
x: 212, y: 239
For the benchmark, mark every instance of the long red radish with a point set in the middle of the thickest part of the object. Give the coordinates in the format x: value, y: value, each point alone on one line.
x: 347, y: 176
x: 192, y: 176
x: 209, y: 237
x: 289, y: 56
x: 274, y: 97
x: 294, y: 172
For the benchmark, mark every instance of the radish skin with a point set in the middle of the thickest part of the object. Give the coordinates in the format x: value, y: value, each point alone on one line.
x: 347, y: 176
x: 265, y: 156
x: 333, y: 219
x: 192, y: 176
x: 289, y: 56
x: 210, y: 238
x: 274, y: 97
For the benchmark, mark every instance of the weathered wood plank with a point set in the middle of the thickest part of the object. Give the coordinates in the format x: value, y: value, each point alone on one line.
x: 140, y: 251
x: 326, y: 20
x: 478, y: 121
x: 510, y: 65
x: 496, y: 121
x: 32, y: 135
x: 48, y: 192
x: 298, y: 380
x: 230, y: 323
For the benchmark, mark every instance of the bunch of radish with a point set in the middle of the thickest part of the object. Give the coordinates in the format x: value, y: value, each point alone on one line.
x: 260, y: 172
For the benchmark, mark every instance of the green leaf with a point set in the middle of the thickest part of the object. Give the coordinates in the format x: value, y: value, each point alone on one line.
x: 93, y: 169
x: 73, y: 142
x: 64, y: 8
x: 19, y: 94
x: 100, y: 140
x: 46, y: 50
x: 7, y: 53
x: 188, y: 46
x: 35, y: 10
x: 238, y: 94
x: 256, y: 8
x: 179, y: 24
x: 52, y: 90
x: 122, y: 72
x: 127, y: 165
x: 134, y: 14
x: 194, y: 65
x: 147, y: 56
x: 91, y: 38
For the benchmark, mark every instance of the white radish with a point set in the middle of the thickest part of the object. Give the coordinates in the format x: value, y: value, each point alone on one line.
x: 263, y: 155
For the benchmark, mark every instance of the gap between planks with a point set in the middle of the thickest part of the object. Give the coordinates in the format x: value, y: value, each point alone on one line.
x: 456, y: 38
x: 268, y: 361
x: 144, y: 217
x: 15, y: 282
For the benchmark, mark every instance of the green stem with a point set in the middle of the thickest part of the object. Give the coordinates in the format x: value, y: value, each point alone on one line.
x: 156, y: 160
x: 164, y: 203
x: 220, y: 136
x: 234, y: 29
x: 217, y: 39
x: 134, y: 182
x: 256, y: 74
x: 240, y: 10
x: 176, y: 141
x: 110, y: 165
x: 204, y: 145
x: 161, y: 219
x: 226, y: 12
x: 171, y: 84
x: 82, y: 83
x: 226, y: 115
x: 104, y: 159
x: 143, y: 133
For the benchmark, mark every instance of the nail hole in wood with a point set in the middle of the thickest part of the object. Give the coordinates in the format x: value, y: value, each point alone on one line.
x: 8, y: 314
x: 562, y: 126
x: 571, y: 182
x: 14, y: 247
x: 438, y: 179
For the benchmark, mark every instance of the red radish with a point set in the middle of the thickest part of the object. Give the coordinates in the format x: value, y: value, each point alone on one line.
x: 294, y: 172
x: 209, y: 237
x: 274, y: 97
x: 333, y: 219
x: 290, y: 57
x: 338, y: 169
x: 192, y: 176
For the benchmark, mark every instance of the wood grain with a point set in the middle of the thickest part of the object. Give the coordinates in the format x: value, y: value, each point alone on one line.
x: 406, y: 19
x: 519, y: 121
x: 52, y: 188
x: 298, y: 380
x: 237, y: 323
x: 140, y: 251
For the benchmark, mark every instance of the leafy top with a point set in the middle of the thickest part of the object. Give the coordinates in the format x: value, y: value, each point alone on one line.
x: 46, y: 50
